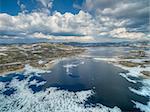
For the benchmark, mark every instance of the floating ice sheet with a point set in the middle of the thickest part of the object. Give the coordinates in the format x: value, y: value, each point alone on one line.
x: 142, y: 107
x: 50, y: 100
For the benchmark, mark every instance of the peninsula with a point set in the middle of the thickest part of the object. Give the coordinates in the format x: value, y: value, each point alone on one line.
x: 41, y: 55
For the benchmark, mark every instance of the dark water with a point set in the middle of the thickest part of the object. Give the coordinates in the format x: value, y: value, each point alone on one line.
x: 110, y: 88
x: 108, y: 51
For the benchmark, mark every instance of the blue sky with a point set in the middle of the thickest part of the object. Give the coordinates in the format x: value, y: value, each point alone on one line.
x: 11, y: 6
x: 84, y: 20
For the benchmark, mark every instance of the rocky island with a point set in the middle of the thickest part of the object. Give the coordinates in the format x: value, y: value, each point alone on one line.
x: 41, y: 55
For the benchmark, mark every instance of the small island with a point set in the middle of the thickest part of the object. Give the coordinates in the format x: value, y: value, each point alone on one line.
x: 41, y: 55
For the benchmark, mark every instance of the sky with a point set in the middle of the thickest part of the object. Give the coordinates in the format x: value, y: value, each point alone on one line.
x: 75, y: 20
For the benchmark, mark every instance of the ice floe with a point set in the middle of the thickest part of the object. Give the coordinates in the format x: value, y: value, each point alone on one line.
x: 35, y: 82
x: 50, y: 100
x: 144, y: 90
x: 2, y: 85
x: 142, y: 107
x: 127, y: 78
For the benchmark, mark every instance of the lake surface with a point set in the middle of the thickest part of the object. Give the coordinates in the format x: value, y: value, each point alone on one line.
x: 76, y: 74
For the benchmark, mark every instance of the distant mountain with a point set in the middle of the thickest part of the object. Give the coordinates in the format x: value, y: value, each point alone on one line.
x: 105, y: 44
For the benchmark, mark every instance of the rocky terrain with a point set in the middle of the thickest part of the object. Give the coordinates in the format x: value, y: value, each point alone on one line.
x: 137, y: 58
x: 15, y: 57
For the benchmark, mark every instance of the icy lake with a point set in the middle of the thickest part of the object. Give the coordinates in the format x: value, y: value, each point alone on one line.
x: 74, y: 84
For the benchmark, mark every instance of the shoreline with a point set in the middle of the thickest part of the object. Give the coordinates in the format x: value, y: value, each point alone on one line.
x: 41, y: 55
x: 49, y: 65
x: 135, y: 70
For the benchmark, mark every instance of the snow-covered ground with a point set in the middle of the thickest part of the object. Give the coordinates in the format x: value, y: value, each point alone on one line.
x: 3, y: 54
x: 29, y: 69
x: 3, y: 48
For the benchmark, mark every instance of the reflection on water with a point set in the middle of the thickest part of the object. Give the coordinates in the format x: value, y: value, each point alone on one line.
x: 110, y: 88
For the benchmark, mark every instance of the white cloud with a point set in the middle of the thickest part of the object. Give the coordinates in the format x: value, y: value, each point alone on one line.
x: 22, y: 6
x: 80, y: 23
x: 46, y: 3
x: 66, y: 38
x: 123, y: 33
x: 133, y: 15
x: 81, y: 26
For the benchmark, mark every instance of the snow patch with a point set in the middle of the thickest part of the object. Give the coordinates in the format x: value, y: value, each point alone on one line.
x: 29, y: 69
x: 106, y: 59
x: 144, y: 90
x: 50, y: 100
x: 3, y: 48
x: 127, y: 78
x: 3, y: 54
x: 35, y: 82
x: 82, y: 62
x: 40, y: 62
x: 2, y: 85
x: 142, y: 107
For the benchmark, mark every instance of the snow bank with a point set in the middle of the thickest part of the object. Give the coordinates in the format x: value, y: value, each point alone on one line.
x: 106, y: 59
x: 127, y: 78
x: 29, y: 69
x: 3, y: 54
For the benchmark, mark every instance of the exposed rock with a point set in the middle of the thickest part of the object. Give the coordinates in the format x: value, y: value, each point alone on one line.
x: 32, y: 53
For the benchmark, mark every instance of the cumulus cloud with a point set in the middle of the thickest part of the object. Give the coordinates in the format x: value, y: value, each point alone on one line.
x: 66, y: 38
x: 46, y: 3
x: 122, y: 33
x: 135, y: 12
x: 120, y: 19
x: 43, y: 24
